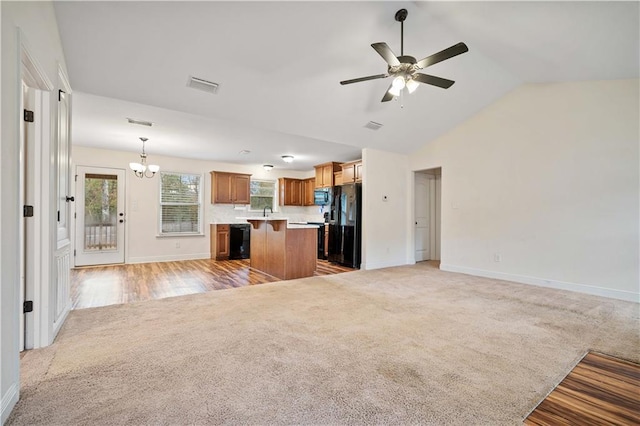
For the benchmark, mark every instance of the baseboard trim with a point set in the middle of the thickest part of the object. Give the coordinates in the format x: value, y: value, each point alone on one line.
x: 542, y: 282
x: 9, y: 400
x: 382, y: 264
x: 169, y: 258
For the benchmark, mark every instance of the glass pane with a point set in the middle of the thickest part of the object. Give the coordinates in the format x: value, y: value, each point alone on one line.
x: 100, y: 216
x: 259, y: 203
x: 176, y: 218
x: 180, y: 188
x: 262, y: 194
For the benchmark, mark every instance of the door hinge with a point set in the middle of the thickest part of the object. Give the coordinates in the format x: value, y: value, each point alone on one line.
x: 27, y: 211
x: 28, y: 116
x: 60, y: 92
x: 58, y: 215
x: 74, y: 252
x: 75, y: 215
x: 76, y: 178
x: 27, y: 306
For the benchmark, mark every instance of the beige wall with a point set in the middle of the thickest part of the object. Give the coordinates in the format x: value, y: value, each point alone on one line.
x: 142, y: 202
x: 547, y: 177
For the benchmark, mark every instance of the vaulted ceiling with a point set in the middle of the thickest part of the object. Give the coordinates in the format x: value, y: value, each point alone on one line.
x: 278, y: 66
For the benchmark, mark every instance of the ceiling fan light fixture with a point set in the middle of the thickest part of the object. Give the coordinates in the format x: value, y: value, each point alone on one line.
x: 412, y: 85
x: 399, y: 83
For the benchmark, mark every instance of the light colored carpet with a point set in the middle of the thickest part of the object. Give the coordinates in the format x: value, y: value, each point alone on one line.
x: 402, y: 345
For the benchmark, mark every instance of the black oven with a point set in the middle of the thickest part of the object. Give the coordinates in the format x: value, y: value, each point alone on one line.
x: 321, y: 241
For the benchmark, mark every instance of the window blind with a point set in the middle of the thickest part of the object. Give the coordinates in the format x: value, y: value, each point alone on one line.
x: 180, y: 195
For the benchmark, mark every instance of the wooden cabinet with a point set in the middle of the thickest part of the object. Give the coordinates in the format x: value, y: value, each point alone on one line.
x: 219, y: 242
x: 230, y: 188
x: 324, y: 174
x: 290, y: 192
x: 337, y: 178
x: 352, y: 172
x: 308, y: 188
x: 296, y: 192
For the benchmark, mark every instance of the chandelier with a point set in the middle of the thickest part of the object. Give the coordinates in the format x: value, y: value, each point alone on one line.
x: 141, y: 169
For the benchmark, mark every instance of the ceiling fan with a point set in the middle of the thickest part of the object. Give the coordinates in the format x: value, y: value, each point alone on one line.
x: 405, y: 69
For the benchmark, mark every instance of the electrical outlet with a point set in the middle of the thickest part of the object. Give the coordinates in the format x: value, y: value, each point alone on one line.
x: 497, y: 257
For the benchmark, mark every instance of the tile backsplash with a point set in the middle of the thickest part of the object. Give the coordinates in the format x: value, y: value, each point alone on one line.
x: 227, y: 213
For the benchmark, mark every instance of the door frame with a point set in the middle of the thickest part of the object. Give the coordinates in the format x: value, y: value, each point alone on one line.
x: 38, y: 251
x: 435, y: 212
x: 81, y: 170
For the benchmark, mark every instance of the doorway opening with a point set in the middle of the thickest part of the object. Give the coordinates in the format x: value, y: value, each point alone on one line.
x: 427, y: 196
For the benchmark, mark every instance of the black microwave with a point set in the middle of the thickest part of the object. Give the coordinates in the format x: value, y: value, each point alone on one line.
x: 322, y: 197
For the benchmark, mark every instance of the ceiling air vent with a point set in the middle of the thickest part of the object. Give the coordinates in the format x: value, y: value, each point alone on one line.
x: 204, y: 85
x: 140, y: 122
x: 373, y: 125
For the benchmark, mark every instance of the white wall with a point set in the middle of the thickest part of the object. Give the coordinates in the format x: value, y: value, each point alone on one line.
x: 143, y: 244
x: 385, y: 239
x: 548, y: 178
x: 38, y: 26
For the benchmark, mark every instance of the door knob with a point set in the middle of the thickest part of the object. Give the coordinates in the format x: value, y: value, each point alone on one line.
x: 121, y: 220
x: 121, y: 214
x: 70, y: 199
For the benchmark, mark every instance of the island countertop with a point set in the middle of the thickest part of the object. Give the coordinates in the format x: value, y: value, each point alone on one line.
x: 290, y: 225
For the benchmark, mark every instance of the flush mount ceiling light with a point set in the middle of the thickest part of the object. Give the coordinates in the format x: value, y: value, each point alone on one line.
x: 244, y: 152
x: 287, y: 158
x: 373, y: 125
x: 404, y: 69
x: 268, y: 167
x: 140, y: 122
x: 141, y: 169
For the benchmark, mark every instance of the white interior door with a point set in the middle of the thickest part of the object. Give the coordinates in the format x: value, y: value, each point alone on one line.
x: 100, y: 216
x: 422, y: 222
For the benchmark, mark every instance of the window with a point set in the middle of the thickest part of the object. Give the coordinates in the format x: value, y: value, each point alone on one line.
x: 180, y: 203
x: 262, y: 194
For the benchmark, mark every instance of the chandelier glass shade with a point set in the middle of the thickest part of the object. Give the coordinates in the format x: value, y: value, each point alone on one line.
x: 142, y: 169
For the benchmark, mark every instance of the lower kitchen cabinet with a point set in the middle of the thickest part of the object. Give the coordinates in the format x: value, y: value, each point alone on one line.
x: 219, y: 242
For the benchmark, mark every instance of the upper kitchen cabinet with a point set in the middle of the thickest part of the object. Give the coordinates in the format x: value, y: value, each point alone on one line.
x: 290, y: 192
x: 230, y: 188
x: 352, y: 172
x: 308, y: 187
x: 324, y: 174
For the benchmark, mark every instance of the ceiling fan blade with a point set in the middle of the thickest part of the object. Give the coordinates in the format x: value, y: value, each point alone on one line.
x: 357, y: 80
x: 447, y: 53
x: 387, y: 96
x: 433, y: 80
x: 386, y: 53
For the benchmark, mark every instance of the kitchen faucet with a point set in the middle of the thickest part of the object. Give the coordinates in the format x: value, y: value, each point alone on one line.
x: 264, y: 211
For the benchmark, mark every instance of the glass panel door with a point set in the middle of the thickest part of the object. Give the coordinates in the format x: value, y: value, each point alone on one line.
x: 100, y: 216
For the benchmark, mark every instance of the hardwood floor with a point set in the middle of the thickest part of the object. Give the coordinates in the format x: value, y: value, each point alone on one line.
x: 600, y: 390
x: 114, y: 284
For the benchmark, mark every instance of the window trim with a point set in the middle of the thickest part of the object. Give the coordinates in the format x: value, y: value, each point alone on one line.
x: 200, y: 231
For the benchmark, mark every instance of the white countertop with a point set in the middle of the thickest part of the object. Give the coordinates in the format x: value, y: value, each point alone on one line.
x: 298, y: 225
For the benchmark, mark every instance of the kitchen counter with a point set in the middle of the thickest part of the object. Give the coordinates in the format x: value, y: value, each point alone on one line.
x: 281, y: 249
x: 290, y: 225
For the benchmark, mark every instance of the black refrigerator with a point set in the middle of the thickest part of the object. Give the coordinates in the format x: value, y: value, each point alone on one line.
x: 345, y: 225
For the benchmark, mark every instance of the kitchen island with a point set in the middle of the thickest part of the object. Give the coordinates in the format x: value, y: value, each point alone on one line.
x: 281, y: 249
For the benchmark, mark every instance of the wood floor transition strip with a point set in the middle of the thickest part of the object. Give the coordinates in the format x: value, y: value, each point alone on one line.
x: 600, y: 390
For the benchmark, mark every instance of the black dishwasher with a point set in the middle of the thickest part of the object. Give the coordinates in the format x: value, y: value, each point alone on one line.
x: 239, y: 240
